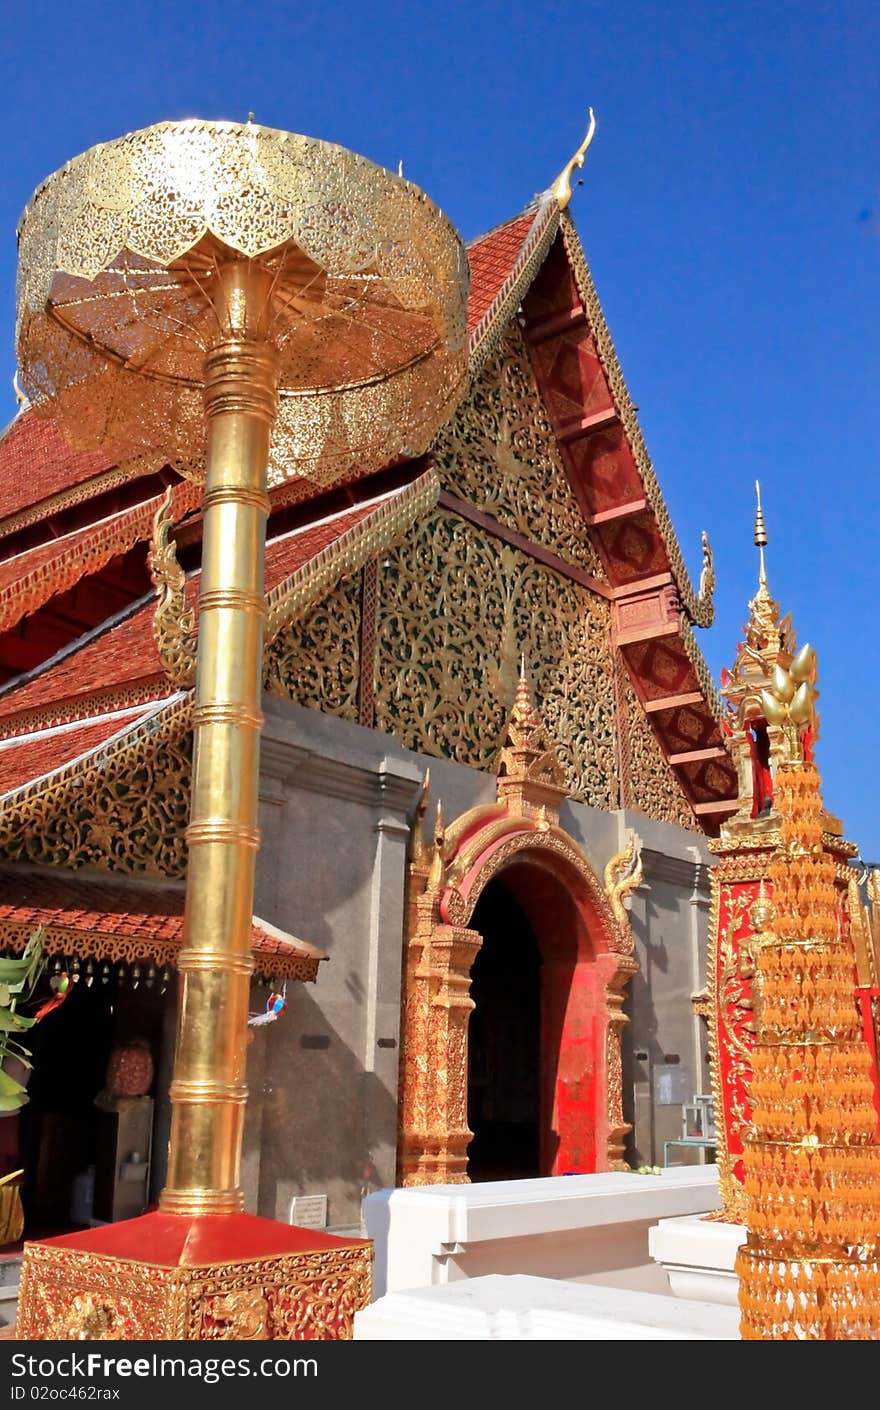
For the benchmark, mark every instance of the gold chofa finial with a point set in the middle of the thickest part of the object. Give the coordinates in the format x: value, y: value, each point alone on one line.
x: 561, y: 187
x: 760, y: 535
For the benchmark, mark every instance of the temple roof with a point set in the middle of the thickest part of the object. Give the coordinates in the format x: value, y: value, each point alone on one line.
x: 109, y: 917
x: 120, y: 663
x: 530, y: 267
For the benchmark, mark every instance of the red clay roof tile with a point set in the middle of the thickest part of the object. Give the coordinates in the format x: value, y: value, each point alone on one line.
x: 28, y: 758
x: 126, y: 654
x: 111, y: 905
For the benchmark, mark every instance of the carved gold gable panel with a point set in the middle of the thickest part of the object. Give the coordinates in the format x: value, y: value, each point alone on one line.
x: 316, y: 662
x: 129, y: 816
x: 499, y: 453
x: 456, y: 609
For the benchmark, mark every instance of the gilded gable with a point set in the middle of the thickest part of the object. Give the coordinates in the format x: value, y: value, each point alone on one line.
x: 499, y: 453
x: 456, y: 608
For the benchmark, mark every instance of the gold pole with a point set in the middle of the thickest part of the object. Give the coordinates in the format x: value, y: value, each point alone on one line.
x: 208, y: 1091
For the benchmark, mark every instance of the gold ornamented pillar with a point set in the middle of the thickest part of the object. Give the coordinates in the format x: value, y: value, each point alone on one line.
x: 208, y: 1092
x: 625, y: 966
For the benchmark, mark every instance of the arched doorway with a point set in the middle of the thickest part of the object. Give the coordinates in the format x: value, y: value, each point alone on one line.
x: 510, y: 868
x: 504, y: 1042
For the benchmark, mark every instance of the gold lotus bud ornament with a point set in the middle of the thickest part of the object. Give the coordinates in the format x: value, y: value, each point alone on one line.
x: 790, y: 703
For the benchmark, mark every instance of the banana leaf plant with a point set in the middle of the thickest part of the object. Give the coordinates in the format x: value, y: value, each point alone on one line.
x: 18, y: 979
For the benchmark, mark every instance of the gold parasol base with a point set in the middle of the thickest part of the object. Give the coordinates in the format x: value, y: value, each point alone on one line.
x: 169, y: 1277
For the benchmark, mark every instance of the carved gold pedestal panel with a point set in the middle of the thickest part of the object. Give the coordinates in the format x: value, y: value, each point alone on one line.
x: 212, y: 1278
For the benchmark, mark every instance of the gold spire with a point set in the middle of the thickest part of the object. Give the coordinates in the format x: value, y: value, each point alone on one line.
x: 561, y: 187
x: 760, y: 535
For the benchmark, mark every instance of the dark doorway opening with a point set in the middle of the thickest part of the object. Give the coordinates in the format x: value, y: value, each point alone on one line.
x: 504, y: 1042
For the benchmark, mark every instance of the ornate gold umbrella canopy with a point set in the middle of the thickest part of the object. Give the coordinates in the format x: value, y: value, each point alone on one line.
x: 253, y: 307
x: 363, y: 296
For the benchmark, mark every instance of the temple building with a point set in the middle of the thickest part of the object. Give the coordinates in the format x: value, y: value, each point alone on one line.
x: 492, y: 761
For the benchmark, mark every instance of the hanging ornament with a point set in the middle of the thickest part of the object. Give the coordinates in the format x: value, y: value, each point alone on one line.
x: 60, y: 986
x: 275, y: 1006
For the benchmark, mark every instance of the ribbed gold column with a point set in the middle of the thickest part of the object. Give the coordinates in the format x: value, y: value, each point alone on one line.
x: 208, y: 1091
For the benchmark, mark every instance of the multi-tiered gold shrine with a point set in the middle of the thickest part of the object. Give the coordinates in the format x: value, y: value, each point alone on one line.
x: 810, y: 1269
x: 741, y: 884
x: 252, y: 307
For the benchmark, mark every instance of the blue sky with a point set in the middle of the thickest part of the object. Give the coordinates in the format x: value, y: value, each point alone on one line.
x: 730, y: 212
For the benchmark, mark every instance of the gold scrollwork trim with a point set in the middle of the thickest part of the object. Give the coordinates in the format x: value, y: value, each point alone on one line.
x: 348, y: 554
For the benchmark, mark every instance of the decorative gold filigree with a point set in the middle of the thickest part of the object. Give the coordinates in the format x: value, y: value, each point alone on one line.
x: 237, y: 1316
x: 316, y: 662
x: 368, y: 304
x: 622, y: 876
x: 307, y: 1296
x: 173, y: 622
x: 88, y: 1318
x: 499, y: 453
x: 379, y: 532
x: 456, y: 608
x: 127, y: 813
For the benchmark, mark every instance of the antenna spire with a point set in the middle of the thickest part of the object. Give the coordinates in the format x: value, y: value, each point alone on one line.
x: 760, y: 535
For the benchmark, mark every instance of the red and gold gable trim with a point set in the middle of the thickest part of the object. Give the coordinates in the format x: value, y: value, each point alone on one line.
x: 610, y: 471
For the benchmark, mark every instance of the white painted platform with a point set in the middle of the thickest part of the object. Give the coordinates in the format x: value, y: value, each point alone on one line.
x: 583, y: 1228
x: 522, y: 1308
x: 698, y: 1257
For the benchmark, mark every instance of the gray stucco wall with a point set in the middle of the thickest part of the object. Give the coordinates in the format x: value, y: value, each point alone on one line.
x: 323, y: 1079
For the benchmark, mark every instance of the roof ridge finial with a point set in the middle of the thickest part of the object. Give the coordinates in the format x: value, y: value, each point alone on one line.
x: 561, y: 188
x: 760, y: 536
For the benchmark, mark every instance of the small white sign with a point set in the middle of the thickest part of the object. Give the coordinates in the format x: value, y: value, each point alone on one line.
x: 309, y: 1211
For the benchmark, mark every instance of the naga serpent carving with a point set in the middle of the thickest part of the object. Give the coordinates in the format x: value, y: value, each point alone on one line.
x: 622, y: 876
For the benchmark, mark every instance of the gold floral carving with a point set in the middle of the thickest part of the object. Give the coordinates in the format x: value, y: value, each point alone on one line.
x: 499, y: 453
x: 87, y: 1318
x: 316, y: 662
x: 378, y: 533
x: 366, y: 273
x: 456, y: 607
x: 237, y: 1316
x: 68, y: 1294
x: 655, y: 789
x: 126, y: 813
